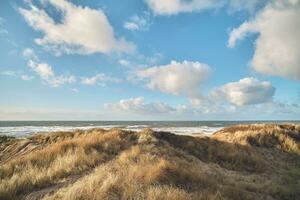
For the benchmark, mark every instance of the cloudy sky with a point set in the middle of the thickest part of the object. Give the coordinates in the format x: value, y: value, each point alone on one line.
x: 150, y: 60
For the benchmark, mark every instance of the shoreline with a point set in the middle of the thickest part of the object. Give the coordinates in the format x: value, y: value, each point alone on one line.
x: 25, y: 129
x: 16, y: 132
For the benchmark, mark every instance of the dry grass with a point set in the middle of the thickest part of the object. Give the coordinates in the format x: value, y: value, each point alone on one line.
x: 285, y: 137
x: 4, y: 139
x: 67, y: 157
x: 235, y: 163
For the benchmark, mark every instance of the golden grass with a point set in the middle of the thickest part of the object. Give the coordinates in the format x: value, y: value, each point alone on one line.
x: 241, y: 162
x: 44, y: 167
x: 285, y: 137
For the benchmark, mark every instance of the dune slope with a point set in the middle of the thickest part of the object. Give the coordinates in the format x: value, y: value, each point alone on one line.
x: 239, y: 162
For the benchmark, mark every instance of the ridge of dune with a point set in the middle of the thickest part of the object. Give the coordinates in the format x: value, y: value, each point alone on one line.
x: 258, y: 161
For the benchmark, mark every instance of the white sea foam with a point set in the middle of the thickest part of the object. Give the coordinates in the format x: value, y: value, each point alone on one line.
x: 23, y: 131
x: 189, y: 130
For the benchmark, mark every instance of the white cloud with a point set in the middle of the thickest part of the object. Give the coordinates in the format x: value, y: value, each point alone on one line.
x: 177, y: 78
x: 45, y: 71
x: 186, y: 79
x: 42, y: 69
x: 17, y: 74
x: 127, y: 108
x: 245, y: 5
x: 140, y: 61
x: 124, y: 62
x: 131, y: 26
x: 139, y: 106
x: 171, y: 7
x: 25, y: 77
x: 29, y: 54
x: 138, y: 23
x: 240, y: 33
x: 82, y: 30
x: 56, y: 81
x: 75, y: 90
x: 277, y: 49
x: 246, y: 91
x: 99, y: 79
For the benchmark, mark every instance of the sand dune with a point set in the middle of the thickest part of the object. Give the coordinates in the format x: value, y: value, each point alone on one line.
x: 238, y: 162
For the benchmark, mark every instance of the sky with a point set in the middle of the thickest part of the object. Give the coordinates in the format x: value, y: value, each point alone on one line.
x: 150, y: 60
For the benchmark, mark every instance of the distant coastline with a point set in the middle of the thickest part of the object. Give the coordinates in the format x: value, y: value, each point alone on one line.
x: 27, y: 128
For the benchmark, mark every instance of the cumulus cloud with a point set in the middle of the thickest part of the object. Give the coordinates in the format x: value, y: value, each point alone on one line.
x: 246, y: 91
x: 99, y: 79
x: 277, y: 49
x: 138, y: 23
x: 186, y: 78
x: 177, y: 78
x: 45, y: 71
x: 139, y: 106
x: 82, y: 30
x: 171, y: 7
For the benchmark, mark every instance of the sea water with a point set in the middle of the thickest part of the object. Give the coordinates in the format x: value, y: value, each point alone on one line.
x: 26, y: 128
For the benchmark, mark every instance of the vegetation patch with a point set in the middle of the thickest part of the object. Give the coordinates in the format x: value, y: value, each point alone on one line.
x: 241, y: 162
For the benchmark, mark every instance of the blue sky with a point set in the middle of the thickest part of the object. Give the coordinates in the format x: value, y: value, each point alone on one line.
x: 149, y: 60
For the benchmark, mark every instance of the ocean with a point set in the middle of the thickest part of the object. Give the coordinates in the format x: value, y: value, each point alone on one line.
x: 27, y: 128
